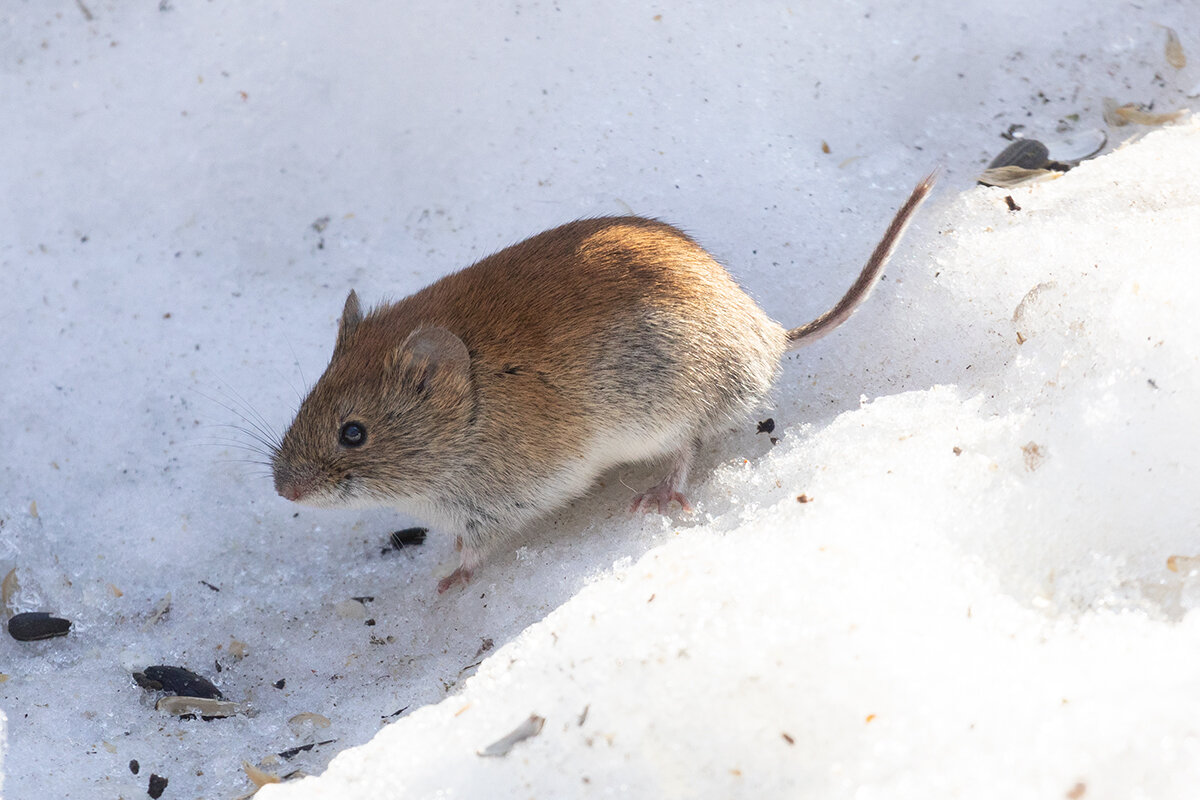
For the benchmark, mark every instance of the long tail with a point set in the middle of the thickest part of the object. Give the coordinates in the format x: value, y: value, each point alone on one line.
x: 869, y: 276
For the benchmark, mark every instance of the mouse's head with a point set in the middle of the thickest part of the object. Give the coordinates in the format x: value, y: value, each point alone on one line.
x: 387, y: 421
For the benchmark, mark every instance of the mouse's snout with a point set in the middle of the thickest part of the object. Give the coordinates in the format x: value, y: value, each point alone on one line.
x: 294, y: 484
x: 288, y: 492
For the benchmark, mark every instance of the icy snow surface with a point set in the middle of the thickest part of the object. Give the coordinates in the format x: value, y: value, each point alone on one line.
x: 999, y: 453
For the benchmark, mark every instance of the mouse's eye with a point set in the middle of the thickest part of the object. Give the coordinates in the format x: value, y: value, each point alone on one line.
x: 353, y: 434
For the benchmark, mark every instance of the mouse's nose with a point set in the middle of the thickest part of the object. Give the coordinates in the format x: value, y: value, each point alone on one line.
x: 294, y: 484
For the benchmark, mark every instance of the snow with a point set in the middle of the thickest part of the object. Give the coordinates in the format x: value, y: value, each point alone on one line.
x: 998, y: 452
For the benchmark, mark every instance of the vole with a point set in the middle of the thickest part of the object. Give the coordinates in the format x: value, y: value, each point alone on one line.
x: 504, y: 390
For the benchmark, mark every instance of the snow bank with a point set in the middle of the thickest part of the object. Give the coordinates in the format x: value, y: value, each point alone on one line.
x: 975, y: 599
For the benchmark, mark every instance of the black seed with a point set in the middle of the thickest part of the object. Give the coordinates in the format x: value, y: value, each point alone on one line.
x: 134, y: 766
x: 279, y: 684
x: 157, y: 785
x: 767, y: 425
x: 1024, y: 153
x: 408, y: 537
x: 177, y: 680
x: 34, y: 625
x: 141, y: 680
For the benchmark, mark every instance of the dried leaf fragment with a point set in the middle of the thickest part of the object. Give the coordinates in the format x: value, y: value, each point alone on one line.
x: 1122, y: 115
x: 1183, y: 563
x: 300, y: 721
x: 1174, y: 50
x: 159, y: 612
x: 1030, y: 298
x: 9, y: 587
x: 259, y: 777
x: 1034, y: 456
x: 526, y: 730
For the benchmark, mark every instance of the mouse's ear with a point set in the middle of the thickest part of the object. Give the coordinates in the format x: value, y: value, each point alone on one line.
x: 351, y: 316
x: 434, y: 357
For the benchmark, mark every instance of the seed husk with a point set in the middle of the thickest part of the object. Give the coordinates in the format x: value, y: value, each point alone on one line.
x: 1010, y: 176
x: 200, y: 706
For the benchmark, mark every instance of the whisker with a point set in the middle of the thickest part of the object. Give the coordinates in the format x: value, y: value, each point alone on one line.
x: 268, y: 445
x: 254, y: 461
x: 253, y: 429
x: 239, y: 406
x: 296, y: 361
x: 263, y: 422
x: 236, y: 444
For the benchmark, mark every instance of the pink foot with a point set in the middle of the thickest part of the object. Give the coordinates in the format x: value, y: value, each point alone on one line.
x: 469, y: 560
x: 658, y: 498
x: 459, y: 575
